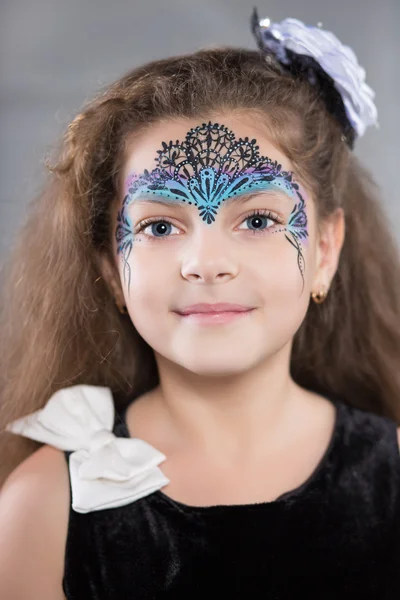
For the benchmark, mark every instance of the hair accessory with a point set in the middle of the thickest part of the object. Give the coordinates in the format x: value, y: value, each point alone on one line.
x: 319, y: 56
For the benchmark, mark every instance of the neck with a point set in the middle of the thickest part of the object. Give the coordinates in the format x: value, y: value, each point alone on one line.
x: 232, y: 414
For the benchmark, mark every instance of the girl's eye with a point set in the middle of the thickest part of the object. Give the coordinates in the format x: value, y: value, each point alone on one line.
x: 257, y: 219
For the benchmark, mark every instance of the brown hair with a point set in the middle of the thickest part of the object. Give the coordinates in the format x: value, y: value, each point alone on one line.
x: 59, y: 322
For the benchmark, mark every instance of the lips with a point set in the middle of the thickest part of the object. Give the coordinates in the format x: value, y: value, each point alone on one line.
x: 220, y: 307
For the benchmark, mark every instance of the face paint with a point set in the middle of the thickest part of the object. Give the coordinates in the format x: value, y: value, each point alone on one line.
x: 208, y: 168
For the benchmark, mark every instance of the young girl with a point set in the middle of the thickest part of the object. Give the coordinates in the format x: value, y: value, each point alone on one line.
x: 201, y: 339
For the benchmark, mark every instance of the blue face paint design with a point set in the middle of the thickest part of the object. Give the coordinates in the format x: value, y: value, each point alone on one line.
x: 208, y: 168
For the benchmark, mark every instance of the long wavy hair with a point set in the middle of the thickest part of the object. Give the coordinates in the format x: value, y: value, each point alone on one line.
x: 59, y: 323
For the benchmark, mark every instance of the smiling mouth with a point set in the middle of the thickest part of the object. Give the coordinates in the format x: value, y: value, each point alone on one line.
x: 214, y: 318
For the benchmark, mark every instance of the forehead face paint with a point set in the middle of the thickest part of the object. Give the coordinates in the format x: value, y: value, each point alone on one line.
x: 208, y: 168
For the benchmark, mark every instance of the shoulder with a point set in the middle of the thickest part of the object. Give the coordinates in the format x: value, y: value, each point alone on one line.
x: 34, y: 515
x: 44, y: 469
x: 368, y: 427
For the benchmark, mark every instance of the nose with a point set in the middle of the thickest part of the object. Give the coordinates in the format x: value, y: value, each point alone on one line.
x: 209, y: 256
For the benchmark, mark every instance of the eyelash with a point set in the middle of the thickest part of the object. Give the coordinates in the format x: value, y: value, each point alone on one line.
x: 256, y: 213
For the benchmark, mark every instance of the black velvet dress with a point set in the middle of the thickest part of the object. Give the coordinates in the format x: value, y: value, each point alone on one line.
x: 337, y: 536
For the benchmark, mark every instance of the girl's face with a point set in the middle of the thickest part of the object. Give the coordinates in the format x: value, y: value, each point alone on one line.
x: 215, y: 215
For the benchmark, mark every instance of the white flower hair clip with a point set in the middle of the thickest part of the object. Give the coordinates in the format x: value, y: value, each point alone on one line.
x: 319, y: 56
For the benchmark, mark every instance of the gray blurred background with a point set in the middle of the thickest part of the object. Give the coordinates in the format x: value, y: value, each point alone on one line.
x: 55, y: 54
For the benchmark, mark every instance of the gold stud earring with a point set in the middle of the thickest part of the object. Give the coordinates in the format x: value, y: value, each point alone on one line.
x: 319, y: 296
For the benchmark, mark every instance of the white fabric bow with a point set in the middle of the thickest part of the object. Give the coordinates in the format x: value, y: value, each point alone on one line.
x: 105, y: 470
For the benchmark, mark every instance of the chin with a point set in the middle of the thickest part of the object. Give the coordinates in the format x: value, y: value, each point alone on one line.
x: 209, y: 367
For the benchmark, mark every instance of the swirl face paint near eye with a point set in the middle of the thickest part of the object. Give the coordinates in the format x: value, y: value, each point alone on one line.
x: 209, y: 167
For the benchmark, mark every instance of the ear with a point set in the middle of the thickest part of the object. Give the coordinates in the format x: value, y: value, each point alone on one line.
x: 111, y: 277
x: 329, y: 245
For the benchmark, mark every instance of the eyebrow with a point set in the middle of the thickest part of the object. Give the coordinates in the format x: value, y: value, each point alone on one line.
x: 233, y: 200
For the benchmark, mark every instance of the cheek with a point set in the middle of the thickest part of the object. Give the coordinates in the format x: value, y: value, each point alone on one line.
x: 280, y: 267
x: 149, y: 290
x: 278, y: 283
